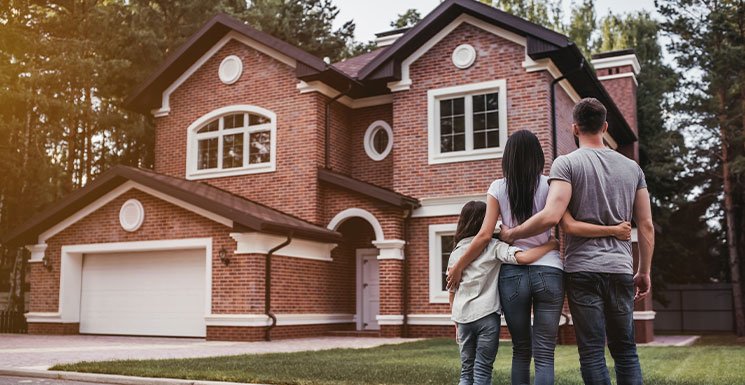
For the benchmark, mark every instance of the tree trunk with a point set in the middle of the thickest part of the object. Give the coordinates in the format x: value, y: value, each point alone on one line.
x: 16, y: 301
x: 729, y: 214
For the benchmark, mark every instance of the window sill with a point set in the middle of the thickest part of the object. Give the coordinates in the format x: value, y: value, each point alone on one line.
x: 466, y: 156
x: 441, y: 297
x: 208, y: 174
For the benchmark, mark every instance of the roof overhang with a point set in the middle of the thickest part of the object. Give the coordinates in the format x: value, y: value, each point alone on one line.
x: 367, y: 189
x: 222, y: 206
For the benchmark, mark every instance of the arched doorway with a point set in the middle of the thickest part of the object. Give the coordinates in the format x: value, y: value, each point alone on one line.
x: 360, y: 229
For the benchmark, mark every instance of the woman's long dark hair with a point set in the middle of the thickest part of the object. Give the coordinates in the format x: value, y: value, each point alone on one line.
x: 522, y: 165
x: 469, y: 223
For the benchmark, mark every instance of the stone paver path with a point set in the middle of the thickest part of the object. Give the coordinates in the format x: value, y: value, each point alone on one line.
x: 42, y: 352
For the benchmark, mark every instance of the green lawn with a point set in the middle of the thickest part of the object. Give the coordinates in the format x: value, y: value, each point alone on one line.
x: 432, y: 361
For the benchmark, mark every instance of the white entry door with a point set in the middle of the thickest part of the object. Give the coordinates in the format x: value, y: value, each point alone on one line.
x: 368, y: 287
x: 160, y: 293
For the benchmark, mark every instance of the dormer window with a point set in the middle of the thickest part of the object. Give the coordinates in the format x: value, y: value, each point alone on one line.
x: 232, y: 141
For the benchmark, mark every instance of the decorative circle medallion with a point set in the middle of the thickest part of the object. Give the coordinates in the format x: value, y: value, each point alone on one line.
x: 231, y: 69
x: 131, y: 215
x: 464, y: 55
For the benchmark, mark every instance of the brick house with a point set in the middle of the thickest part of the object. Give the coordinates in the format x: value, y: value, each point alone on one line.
x: 291, y: 197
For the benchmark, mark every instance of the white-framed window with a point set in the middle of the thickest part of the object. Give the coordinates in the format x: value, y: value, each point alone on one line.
x: 378, y: 140
x: 440, y: 246
x: 467, y: 122
x: 232, y: 140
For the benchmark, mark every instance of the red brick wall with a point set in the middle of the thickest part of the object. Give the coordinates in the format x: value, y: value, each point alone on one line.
x: 564, y: 131
x: 266, y: 83
x: 376, y: 172
x: 623, y: 93
x: 528, y: 107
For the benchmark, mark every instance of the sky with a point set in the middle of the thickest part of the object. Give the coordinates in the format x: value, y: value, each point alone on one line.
x: 375, y: 16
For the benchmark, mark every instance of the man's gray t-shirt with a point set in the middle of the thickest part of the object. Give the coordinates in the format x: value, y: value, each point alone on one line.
x: 604, y: 185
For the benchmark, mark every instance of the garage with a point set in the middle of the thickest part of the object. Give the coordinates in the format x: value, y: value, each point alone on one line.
x: 153, y: 293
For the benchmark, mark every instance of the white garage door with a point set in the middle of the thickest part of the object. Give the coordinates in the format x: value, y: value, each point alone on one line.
x: 145, y: 293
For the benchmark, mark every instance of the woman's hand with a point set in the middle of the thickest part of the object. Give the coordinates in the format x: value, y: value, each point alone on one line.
x: 554, y: 242
x: 453, y: 278
x: 622, y: 231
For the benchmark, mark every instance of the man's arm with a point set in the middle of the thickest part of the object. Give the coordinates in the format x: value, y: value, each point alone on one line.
x: 531, y: 255
x: 577, y: 228
x: 559, y: 195
x: 645, y: 228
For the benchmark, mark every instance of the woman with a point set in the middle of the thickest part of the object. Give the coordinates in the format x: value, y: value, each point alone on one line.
x: 520, y: 194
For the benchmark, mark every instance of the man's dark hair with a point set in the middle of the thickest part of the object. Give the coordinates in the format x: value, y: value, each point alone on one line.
x: 589, y: 115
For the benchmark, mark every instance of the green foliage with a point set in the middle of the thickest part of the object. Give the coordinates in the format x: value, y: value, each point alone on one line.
x: 407, y: 19
x: 307, y: 24
x: 582, y: 26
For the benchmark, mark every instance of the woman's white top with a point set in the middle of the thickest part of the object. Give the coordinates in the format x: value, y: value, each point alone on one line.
x: 498, y: 190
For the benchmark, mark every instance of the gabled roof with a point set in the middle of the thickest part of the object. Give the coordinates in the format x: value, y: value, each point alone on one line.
x: 352, y: 66
x: 368, y: 189
x: 148, y: 93
x: 542, y: 43
x: 246, y: 215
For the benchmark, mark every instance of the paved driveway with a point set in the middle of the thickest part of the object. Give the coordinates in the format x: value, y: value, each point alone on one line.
x: 41, y: 352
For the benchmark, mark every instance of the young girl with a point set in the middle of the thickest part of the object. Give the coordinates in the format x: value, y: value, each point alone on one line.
x: 475, y: 305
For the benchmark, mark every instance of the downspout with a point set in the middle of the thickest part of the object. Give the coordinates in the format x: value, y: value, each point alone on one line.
x: 268, y: 286
x: 328, y: 125
x: 405, y: 331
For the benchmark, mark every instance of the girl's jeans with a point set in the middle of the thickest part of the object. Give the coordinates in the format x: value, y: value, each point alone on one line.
x: 479, y: 342
x: 542, y: 288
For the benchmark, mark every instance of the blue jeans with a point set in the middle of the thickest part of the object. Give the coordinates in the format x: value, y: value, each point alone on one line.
x: 542, y: 287
x: 479, y: 342
x: 602, y: 305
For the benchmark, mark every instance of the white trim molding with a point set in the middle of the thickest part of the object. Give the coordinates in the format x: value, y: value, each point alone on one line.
x: 41, y: 317
x: 260, y: 243
x: 444, y: 206
x: 436, y: 294
x: 548, y: 65
x: 356, y: 212
x: 466, y: 90
x: 165, y: 106
x: 368, y: 140
x: 325, y: 89
x: 620, y: 76
x: 390, y: 249
x: 71, y: 268
x: 192, y: 173
x: 386, y: 319
x: 618, y: 61
x: 118, y: 191
x: 37, y: 252
x: 405, y: 82
x: 261, y: 320
x: 611, y: 142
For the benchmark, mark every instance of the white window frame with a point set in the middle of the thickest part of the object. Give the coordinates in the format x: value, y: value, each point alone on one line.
x: 469, y: 154
x: 369, y: 136
x: 193, y: 173
x: 435, y: 261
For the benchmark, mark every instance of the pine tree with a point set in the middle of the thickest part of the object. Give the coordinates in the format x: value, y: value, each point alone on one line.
x: 708, y: 37
x: 407, y: 19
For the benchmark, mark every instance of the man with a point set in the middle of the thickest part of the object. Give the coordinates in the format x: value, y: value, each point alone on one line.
x: 601, y: 186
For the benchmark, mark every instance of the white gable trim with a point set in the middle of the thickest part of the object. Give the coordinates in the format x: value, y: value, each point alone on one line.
x: 113, y: 194
x: 405, y: 82
x: 165, y: 101
x: 531, y: 65
x: 325, y: 89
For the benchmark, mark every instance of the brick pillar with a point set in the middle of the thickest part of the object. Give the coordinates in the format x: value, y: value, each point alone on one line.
x: 391, y: 271
x: 617, y: 72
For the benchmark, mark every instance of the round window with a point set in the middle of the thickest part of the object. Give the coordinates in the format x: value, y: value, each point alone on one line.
x: 230, y: 69
x: 378, y: 140
x: 131, y: 215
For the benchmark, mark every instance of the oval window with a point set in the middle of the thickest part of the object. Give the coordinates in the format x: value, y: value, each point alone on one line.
x: 378, y: 140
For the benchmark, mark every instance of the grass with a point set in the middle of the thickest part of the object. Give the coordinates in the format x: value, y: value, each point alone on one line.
x: 433, y: 361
